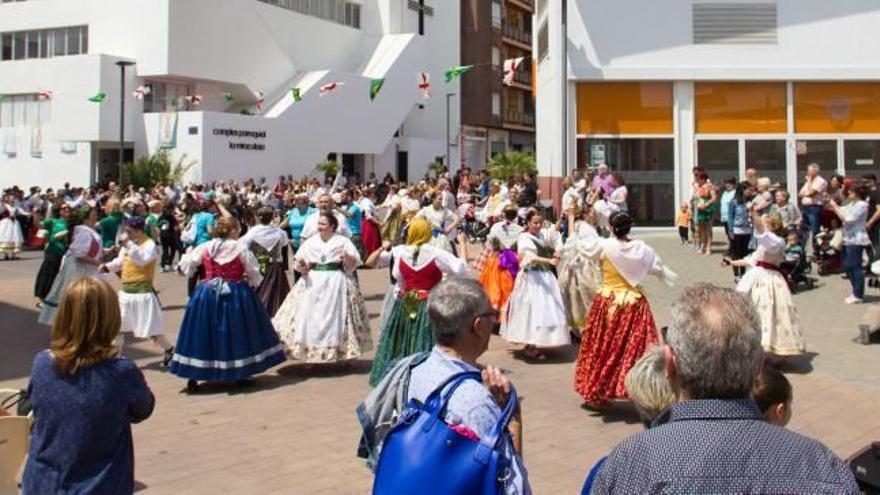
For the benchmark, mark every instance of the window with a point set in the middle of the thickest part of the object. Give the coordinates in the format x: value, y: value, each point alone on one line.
x: 767, y: 156
x: 343, y: 12
x: 861, y: 157
x: 496, y: 104
x: 44, y: 43
x: 543, y: 41
x: 820, y: 151
x: 496, y: 56
x: 624, y: 108
x: 496, y: 15
x: 24, y: 110
x: 740, y: 108
x: 719, y: 158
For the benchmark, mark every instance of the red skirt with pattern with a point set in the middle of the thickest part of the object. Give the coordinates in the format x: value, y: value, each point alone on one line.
x: 610, y: 347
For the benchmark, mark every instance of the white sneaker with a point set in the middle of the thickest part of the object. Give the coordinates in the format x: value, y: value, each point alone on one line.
x: 853, y: 300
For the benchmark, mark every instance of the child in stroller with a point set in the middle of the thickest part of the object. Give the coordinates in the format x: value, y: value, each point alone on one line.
x: 794, y: 266
x: 474, y: 230
x: 828, y: 247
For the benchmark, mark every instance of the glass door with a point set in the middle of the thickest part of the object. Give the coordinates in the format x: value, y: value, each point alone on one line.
x: 820, y: 151
x: 719, y: 158
x: 861, y: 157
x: 767, y: 156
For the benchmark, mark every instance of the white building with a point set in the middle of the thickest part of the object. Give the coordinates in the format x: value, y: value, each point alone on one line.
x: 655, y: 88
x: 216, y: 49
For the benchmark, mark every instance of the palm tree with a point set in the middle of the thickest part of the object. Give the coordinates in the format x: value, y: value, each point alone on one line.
x: 512, y: 163
x: 330, y: 168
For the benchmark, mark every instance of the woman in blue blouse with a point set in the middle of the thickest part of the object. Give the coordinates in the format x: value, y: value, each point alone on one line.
x: 85, y: 399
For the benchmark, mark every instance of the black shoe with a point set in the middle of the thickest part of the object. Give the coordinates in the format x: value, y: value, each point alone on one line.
x: 169, y: 355
x: 245, y: 383
x: 192, y: 386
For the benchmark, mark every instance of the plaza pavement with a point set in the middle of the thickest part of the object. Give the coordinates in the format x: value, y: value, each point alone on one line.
x: 295, y: 432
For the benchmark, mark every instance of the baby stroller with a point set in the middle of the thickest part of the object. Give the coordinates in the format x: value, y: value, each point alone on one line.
x: 827, y: 248
x: 795, y: 268
x: 475, y: 230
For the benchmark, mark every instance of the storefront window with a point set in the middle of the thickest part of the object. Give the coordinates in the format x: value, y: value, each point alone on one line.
x: 822, y: 152
x: 624, y: 108
x: 861, y: 157
x: 720, y: 159
x: 768, y: 157
x: 740, y: 108
x: 648, y: 168
x: 832, y: 108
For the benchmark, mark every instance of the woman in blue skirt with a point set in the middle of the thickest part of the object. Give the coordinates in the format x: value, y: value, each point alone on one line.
x: 226, y: 334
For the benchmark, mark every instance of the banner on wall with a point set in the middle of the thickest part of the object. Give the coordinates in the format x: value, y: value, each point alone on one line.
x: 37, y: 142
x: 168, y: 131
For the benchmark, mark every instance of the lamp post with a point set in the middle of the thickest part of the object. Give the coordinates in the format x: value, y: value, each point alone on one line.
x: 564, y: 60
x: 448, y: 144
x: 122, y: 65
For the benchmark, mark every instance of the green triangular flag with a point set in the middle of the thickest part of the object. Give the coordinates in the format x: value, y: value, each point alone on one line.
x: 375, y: 87
x: 99, y: 97
x: 297, y: 94
x: 457, y: 71
x: 173, y: 102
x: 228, y: 97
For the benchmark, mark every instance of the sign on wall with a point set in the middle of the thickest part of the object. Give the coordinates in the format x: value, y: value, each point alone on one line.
x: 168, y: 131
x: 255, y: 139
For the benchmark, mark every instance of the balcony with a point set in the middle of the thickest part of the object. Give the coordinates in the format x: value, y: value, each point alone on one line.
x: 517, y: 118
x: 517, y: 35
x: 528, y: 5
x: 524, y: 75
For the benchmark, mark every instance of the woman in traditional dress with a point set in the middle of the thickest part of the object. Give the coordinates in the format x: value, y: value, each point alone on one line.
x: 499, y: 263
x: 780, y: 326
x: 580, y: 273
x: 324, y: 318
x: 55, y: 230
x: 83, y: 257
x: 535, y: 315
x: 139, y: 307
x: 418, y: 267
x: 443, y: 222
x: 620, y: 194
x: 226, y: 334
x: 620, y: 325
x: 370, y: 224
x: 268, y: 243
x: 11, y: 236
x: 391, y: 211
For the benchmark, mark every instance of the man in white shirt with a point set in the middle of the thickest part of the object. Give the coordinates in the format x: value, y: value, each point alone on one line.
x: 812, y: 196
x: 325, y: 204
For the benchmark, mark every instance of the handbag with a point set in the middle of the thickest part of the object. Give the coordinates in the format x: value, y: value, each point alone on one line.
x: 422, y: 454
x: 188, y: 236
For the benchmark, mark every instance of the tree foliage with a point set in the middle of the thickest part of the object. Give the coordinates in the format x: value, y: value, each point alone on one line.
x: 330, y: 168
x: 150, y: 170
x: 435, y: 168
x: 512, y: 163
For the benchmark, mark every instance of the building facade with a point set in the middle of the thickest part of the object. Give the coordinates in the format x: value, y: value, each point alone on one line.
x: 234, y: 86
x: 496, y: 117
x: 724, y: 85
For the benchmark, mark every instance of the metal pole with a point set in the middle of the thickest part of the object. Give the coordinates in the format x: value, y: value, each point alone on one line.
x: 564, y: 79
x: 122, y: 65
x: 448, y: 158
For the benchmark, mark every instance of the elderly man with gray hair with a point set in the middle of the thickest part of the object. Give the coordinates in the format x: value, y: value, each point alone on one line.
x: 715, y: 439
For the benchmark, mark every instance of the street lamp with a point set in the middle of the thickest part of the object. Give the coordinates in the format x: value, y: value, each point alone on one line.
x: 122, y: 65
x: 448, y: 158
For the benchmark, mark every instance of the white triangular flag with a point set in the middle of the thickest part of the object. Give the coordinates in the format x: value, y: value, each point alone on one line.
x: 511, y: 65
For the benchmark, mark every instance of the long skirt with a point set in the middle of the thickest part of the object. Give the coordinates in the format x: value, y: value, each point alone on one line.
x: 619, y: 330
x: 226, y: 334
x: 372, y: 239
x: 71, y: 270
x: 578, y: 282
x: 497, y: 281
x: 311, y: 322
x: 392, y: 226
x: 387, y: 304
x: 48, y: 271
x: 274, y: 288
x: 407, y: 331
x: 780, y: 323
x: 11, y: 238
x: 535, y: 314
x: 141, y: 314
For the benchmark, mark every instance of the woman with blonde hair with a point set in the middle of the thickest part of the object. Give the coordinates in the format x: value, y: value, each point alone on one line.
x: 226, y: 334
x: 418, y: 267
x: 85, y: 399
x: 648, y: 387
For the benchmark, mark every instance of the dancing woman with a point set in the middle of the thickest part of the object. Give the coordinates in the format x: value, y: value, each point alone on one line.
x: 765, y: 285
x: 268, y: 243
x: 620, y: 325
x: 418, y: 267
x: 56, y: 232
x: 499, y: 263
x: 324, y: 319
x: 11, y: 236
x: 226, y: 334
x: 443, y: 222
x: 535, y: 315
x: 370, y: 224
x: 580, y: 273
x: 83, y: 257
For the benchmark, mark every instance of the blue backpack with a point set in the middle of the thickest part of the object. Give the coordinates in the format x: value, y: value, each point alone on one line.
x: 422, y: 454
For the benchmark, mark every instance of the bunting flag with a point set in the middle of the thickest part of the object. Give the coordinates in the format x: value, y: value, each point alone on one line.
x: 297, y: 94
x: 173, y: 102
x: 457, y: 71
x: 141, y: 92
x: 425, y: 84
x: 511, y: 65
x: 329, y: 87
x: 44, y: 95
x: 99, y: 97
x: 261, y: 99
x: 375, y: 87
x: 193, y: 100
x: 229, y: 97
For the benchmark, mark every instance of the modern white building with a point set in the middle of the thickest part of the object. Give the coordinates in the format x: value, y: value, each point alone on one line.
x: 225, y: 52
x: 655, y: 88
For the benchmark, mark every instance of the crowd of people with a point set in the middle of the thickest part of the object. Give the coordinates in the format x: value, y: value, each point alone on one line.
x: 467, y: 256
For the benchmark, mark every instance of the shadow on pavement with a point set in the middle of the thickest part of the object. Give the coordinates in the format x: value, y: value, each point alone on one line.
x: 620, y: 411
x: 558, y: 355
x: 798, y: 365
x: 22, y: 338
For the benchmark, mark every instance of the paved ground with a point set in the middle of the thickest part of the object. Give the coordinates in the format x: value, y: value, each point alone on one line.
x: 296, y: 431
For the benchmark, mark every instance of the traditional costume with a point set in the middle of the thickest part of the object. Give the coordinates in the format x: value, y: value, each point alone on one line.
x: 226, y: 334
x: 55, y: 230
x: 765, y: 285
x: 535, y: 313
x: 417, y: 268
x: 81, y: 260
x: 440, y: 219
x: 620, y: 325
x: 324, y: 318
x: 580, y: 273
x: 11, y: 236
x: 268, y: 244
x: 499, y: 263
x: 371, y: 236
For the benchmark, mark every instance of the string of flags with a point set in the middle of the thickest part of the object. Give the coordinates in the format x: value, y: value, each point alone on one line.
x: 510, y: 68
